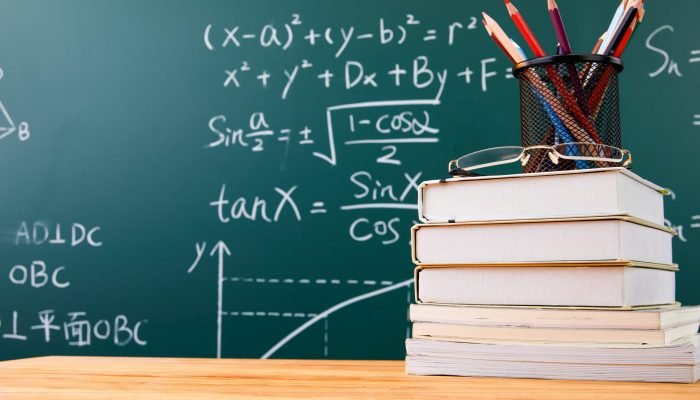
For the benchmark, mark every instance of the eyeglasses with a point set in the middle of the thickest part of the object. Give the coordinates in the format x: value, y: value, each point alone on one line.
x: 580, y: 153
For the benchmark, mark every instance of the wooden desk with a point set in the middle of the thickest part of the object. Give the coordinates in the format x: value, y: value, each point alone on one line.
x: 178, y: 378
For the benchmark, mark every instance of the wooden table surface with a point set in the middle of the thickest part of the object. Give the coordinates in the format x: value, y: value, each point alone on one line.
x: 179, y: 378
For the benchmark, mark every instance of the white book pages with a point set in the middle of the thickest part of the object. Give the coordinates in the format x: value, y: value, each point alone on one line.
x: 682, y: 352
x: 475, y: 333
x: 546, y: 286
x: 579, y: 240
x: 424, y: 365
x: 533, y: 317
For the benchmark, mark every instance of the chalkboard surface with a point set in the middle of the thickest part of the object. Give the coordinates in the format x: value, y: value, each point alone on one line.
x: 150, y: 150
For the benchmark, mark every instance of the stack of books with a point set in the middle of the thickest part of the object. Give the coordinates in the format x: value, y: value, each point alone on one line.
x: 562, y: 275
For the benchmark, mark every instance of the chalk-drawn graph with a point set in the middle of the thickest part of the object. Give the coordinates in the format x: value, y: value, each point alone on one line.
x: 326, y: 313
x: 220, y: 251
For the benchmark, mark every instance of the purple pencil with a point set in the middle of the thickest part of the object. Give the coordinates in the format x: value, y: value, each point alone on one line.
x: 565, y: 48
x: 558, y: 27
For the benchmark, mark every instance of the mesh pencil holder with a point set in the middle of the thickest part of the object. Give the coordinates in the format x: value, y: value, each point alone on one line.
x: 568, y: 98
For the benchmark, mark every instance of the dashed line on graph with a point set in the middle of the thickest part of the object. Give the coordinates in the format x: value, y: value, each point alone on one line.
x: 268, y: 314
x: 307, y: 281
x: 326, y: 313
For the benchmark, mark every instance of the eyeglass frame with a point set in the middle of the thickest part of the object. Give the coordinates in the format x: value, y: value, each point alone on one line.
x: 552, y: 154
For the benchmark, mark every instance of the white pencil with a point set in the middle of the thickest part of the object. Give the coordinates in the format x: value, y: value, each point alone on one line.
x: 613, y: 24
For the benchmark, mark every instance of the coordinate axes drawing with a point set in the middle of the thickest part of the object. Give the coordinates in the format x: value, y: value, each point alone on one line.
x: 220, y: 251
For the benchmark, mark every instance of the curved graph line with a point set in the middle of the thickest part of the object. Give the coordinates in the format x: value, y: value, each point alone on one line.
x: 330, y: 311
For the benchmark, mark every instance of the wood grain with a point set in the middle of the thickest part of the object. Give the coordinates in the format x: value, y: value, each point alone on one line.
x: 178, y: 378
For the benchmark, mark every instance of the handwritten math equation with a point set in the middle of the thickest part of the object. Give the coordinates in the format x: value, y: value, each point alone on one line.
x: 75, y: 328
x: 406, y: 121
x: 386, y: 124
x: 368, y: 193
x: 669, y: 64
x: 283, y: 35
x: 418, y: 73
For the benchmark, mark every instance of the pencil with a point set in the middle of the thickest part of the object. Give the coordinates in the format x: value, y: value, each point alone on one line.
x: 559, y: 26
x: 500, y: 36
x: 524, y: 29
x: 570, y: 123
x: 617, y: 52
x: 575, y: 106
x: 562, y: 134
x: 570, y: 101
x: 625, y: 23
x: 625, y: 39
x: 598, y: 93
x: 585, y: 72
x: 519, y: 49
x: 601, y: 75
x: 596, y: 97
x: 490, y: 32
x: 565, y: 48
x: 598, y: 43
x: 613, y: 24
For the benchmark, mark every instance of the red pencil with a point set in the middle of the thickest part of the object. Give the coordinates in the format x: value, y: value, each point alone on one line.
x: 617, y: 52
x: 623, y: 42
x: 524, y: 29
x: 625, y: 23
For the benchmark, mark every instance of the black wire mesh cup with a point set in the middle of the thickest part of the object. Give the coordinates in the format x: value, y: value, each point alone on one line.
x: 565, y: 99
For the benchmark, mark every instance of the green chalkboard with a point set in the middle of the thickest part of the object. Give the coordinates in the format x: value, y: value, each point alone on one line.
x: 150, y: 150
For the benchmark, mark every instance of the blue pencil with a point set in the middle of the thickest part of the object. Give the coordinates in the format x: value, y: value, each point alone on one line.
x: 560, y: 131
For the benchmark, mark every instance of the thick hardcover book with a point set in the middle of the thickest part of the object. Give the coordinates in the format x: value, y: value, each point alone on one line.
x: 551, y: 240
x: 608, y: 191
x: 619, y: 287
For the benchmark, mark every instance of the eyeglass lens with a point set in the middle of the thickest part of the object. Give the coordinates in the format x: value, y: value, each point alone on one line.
x: 493, y: 156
